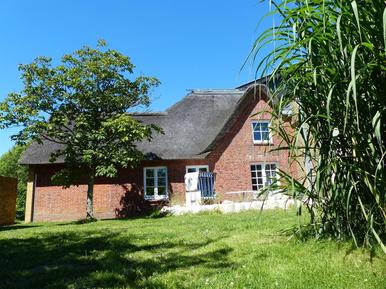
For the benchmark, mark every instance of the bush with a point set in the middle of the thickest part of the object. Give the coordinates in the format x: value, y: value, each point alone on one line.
x: 330, y: 59
x: 9, y: 167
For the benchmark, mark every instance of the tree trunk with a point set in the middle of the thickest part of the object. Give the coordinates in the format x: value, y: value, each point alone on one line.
x: 90, y: 193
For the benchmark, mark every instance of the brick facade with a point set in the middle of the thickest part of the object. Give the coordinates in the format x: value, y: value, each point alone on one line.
x: 119, y: 197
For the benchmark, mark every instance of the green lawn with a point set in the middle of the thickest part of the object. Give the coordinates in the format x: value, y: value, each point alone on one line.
x: 242, y: 250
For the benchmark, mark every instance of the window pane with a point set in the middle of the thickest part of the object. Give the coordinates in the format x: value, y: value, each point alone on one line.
x: 150, y: 191
x: 257, y: 135
x: 192, y: 170
x: 161, y: 173
x: 270, y: 167
x: 162, y: 182
x: 255, y: 167
x: 155, y: 181
x: 161, y: 190
x: 203, y: 169
x: 260, y: 131
x: 257, y: 177
x: 149, y: 173
x: 264, y: 126
x: 270, y: 171
x: 150, y: 182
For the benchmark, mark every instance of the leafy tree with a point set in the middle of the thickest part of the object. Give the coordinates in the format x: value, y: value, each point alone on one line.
x: 9, y: 167
x: 331, y: 59
x: 83, y: 104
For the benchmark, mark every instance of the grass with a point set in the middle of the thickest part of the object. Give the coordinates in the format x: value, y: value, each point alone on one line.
x: 193, y: 251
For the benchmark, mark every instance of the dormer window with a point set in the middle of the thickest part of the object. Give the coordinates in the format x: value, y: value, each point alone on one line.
x: 260, y: 132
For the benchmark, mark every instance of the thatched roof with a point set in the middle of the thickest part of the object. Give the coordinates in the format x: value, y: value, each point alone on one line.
x: 191, y: 126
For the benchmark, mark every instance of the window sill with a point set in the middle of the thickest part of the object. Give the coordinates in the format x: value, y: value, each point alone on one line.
x: 156, y: 198
x: 263, y: 143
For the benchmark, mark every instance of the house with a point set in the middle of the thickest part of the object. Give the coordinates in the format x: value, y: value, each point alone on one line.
x: 208, y: 130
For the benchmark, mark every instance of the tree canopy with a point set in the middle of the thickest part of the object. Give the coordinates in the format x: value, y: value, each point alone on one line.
x: 84, y: 104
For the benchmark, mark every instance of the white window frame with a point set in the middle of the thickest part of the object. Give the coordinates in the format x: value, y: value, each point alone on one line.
x: 263, y: 173
x: 155, y: 196
x: 269, y: 141
x: 197, y: 167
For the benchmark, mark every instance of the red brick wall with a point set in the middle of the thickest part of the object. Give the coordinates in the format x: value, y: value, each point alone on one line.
x: 236, y: 152
x: 118, y: 197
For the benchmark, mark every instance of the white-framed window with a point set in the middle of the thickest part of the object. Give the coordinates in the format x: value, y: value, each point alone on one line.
x: 155, y: 180
x: 260, y: 132
x: 199, y: 168
x: 263, y: 175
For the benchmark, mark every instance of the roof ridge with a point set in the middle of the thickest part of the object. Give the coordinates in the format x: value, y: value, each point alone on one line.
x: 201, y: 92
x: 215, y: 91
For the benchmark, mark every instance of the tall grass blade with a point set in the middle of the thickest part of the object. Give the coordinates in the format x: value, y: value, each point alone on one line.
x: 330, y: 58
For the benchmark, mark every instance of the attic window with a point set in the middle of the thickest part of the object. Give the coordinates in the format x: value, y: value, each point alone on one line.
x: 261, y: 132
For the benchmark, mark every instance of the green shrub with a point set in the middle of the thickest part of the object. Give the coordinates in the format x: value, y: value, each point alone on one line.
x: 330, y: 60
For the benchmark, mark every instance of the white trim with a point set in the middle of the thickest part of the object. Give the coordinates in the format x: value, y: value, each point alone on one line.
x: 155, y: 196
x: 263, y: 173
x: 198, y: 167
x: 270, y: 141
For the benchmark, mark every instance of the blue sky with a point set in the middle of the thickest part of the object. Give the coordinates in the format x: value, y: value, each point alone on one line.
x: 185, y: 44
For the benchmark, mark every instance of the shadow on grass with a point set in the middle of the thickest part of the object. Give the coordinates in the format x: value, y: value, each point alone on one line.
x: 17, y: 227
x: 144, y: 216
x: 99, y: 259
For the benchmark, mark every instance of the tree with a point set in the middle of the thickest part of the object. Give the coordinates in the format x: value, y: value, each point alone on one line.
x: 9, y: 167
x: 83, y: 104
x: 331, y: 59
